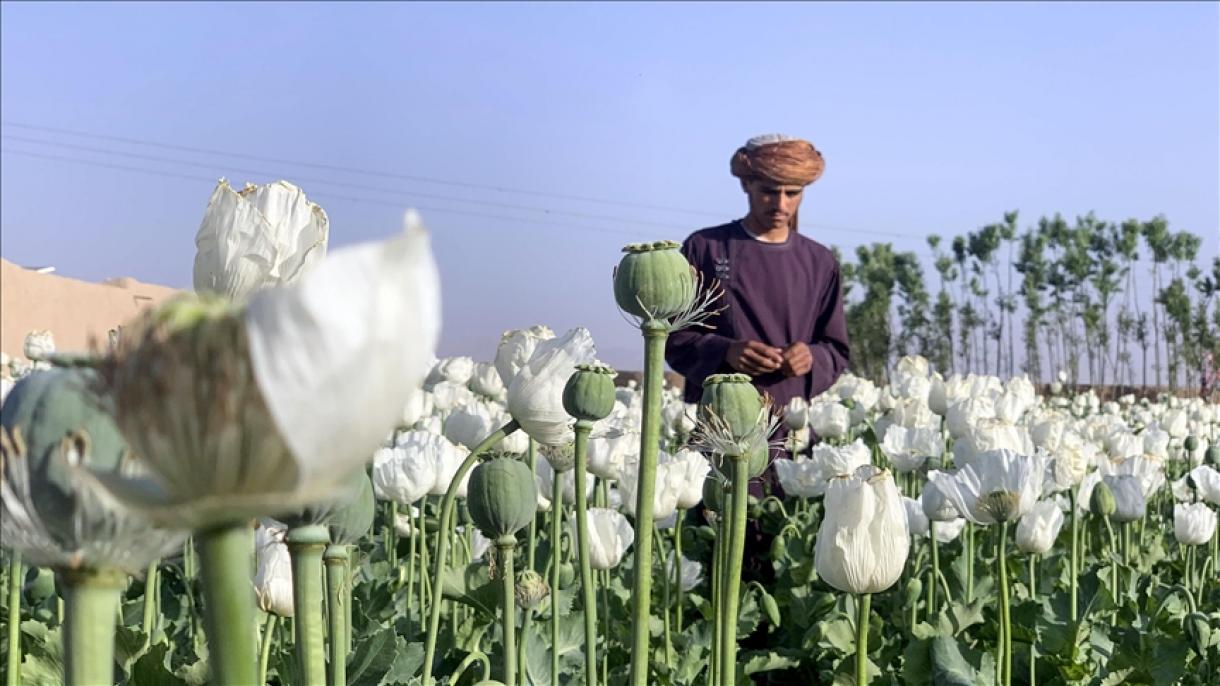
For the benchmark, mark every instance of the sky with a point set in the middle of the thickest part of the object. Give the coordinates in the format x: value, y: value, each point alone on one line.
x: 538, y: 139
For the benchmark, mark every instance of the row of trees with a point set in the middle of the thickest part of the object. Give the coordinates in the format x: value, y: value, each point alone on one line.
x: 1124, y: 304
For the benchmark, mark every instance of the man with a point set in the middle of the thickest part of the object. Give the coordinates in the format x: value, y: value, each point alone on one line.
x: 783, y: 320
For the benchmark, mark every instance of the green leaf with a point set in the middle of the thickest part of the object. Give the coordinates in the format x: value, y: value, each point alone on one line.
x: 152, y: 669
x: 373, y: 657
x: 408, y: 664
x: 768, y: 661
x: 949, y: 668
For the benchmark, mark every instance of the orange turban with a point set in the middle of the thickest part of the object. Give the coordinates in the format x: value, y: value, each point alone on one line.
x: 782, y: 159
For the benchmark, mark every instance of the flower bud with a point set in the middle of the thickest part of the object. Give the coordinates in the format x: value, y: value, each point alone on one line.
x: 531, y: 590
x: 1101, y: 502
x: 654, y: 280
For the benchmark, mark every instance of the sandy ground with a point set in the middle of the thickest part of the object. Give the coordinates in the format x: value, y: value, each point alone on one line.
x: 70, y: 309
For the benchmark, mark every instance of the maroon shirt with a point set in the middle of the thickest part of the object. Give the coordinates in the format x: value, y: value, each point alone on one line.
x: 777, y: 293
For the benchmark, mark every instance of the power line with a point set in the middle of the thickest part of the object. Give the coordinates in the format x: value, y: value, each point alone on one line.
x: 354, y: 170
x: 425, y: 179
x: 343, y: 184
x: 324, y: 194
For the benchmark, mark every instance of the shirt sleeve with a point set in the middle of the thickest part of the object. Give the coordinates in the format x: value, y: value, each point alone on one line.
x: 829, y: 347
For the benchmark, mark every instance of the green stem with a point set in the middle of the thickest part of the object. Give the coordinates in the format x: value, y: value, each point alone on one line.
x: 90, y: 600
x: 556, y: 563
x: 1005, y: 617
x: 1114, y: 557
x: 531, y: 537
x: 421, y: 534
x: 969, y: 562
x: 13, y: 665
x: 506, y: 545
x: 934, y: 607
x: 264, y: 653
x: 338, y: 600
x: 412, y: 558
x: 863, y: 603
x: 732, y: 572
x: 655, y: 333
x: 678, y: 569
x: 523, y: 638
x: 588, y: 589
x: 391, y: 535
x: 718, y: 554
x: 305, y: 546
x: 665, y: 591
x: 150, y: 601
x: 226, y: 556
x: 1033, y: 644
x: 446, y: 516
x: 1074, y: 561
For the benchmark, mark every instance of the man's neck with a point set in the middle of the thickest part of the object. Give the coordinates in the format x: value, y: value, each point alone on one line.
x: 769, y: 235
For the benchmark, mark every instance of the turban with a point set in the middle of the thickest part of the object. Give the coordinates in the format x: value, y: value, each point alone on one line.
x: 781, y: 159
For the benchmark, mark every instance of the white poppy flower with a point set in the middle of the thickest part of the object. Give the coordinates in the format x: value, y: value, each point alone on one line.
x: 829, y: 419
x: 535, y: 395
x: 470, y: 424
x: 447, y: 395
x: 1207, y: 483
x: 863, y: 541
x: 917, y: 521
x: 1000, y: 486
x: 258, y: 237
x: 610, y: 535
x: 486, y: 382
x: 908, y: 449
x: 692, y: 469
x: 38, y: 344
x: 404, y: 475
x: 668, y: 487
x: 608, y: 453
x: 800, y: 477
x: 455, y: 370
x: 1193, y: 524
x: 1038, y: 528
x: 544, y: 477
x: 936, y: 506
x: 273, y: 569
x: 796, y: 413
x: 692, y: 571
x: 515, y: 349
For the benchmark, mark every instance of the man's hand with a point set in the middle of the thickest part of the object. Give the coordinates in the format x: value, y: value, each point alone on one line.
x: 797, y: 360
x: 753, y: 357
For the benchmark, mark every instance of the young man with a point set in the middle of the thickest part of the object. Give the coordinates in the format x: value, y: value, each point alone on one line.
x: 783, y: 320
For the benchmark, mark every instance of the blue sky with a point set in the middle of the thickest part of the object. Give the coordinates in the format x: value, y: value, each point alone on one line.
x: 932, y: 118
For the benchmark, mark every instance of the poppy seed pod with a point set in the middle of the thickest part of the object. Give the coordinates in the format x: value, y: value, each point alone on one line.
x: 733, y: 399
x: 1102, y: 502
x: 502, y: 497
x: 654, y: 280
x: 1191, y: 443
x: 589, y: 392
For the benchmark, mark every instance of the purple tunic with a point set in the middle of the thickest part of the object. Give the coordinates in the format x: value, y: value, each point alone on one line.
x: 777, y: 293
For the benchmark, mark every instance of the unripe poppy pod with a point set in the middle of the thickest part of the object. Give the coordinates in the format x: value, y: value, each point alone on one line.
x: 654, y: 280
x: 502, y: 497
x: 589, y: 392
x: 734, y: 400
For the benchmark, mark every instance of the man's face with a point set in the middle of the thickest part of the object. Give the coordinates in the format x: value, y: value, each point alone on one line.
x: 772, y: 204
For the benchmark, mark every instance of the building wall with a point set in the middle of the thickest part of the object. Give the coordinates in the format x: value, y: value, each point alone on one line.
x: 72, y: 310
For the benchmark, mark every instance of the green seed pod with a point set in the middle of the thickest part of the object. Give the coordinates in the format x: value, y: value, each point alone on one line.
x: 1198, y: 631
x: 531, y: 590
x: 1213, y: 454
x: 501, y: 497
x: 55, y: 418
x: 654, y: 280
x: 567, y: 575
x: 779, y: 547
x: 914, y: 590
x: 1191, y: 443
x: 39, y: 585
x: 1102, y: 501
x: 589, y: 393
x: 706, y: 533
x: 771, y: 608
x: 732, y: 399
